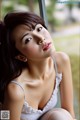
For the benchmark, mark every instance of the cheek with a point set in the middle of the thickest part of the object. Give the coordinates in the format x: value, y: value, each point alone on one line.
x: 47, y: 36
x: 30, y: 51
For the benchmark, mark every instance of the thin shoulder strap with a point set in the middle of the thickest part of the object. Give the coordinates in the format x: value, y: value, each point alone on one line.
x: 58, y: 76
x: 13, y: 81
x: 55, y: 66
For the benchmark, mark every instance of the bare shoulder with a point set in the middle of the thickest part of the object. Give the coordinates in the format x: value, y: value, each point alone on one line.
x: 14, y: 92
x: 62, y: 60
x: 62, y: 57
x: 14, y: 100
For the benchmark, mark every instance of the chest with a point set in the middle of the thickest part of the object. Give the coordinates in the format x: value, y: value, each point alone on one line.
x: 38, y: 92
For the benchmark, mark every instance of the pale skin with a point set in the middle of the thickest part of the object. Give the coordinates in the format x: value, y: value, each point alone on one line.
x: 40, y: 72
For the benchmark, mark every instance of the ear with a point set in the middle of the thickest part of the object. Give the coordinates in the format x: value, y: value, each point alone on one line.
x: 21, y: 58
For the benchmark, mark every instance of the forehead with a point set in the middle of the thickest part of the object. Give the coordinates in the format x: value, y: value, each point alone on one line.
x: 19, y: 31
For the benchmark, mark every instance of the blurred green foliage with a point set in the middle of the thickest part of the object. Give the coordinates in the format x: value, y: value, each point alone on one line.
x: 30, y: 4
x: 33, y: 4
x: 75, y: 65
x: 75, y: 70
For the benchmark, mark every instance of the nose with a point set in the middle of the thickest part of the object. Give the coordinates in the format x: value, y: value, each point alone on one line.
x: 41, y: 41
x: 40, y: 38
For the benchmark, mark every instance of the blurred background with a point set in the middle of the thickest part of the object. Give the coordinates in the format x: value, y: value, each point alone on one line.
x: 64, y: 26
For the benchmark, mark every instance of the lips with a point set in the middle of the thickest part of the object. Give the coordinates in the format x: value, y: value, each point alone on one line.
x: 46, y: 46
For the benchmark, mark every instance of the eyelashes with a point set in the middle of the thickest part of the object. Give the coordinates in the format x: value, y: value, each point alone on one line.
x: 39, y: 29
x: 28, y: 40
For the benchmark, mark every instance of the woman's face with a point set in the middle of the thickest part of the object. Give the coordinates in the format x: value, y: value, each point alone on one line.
x: 34, y: 44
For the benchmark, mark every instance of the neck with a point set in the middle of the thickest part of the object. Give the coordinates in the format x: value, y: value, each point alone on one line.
x: 39, y: 69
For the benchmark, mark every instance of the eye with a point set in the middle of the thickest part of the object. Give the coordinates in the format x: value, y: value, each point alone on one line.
x: 27, y: 40
x: 39, y: 29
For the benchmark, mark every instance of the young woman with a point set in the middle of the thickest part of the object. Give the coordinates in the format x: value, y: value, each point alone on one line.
x: 32, y: 71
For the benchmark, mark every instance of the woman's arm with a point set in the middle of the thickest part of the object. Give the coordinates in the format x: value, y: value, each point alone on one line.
x: 14, y: 99
x: 66, y: 87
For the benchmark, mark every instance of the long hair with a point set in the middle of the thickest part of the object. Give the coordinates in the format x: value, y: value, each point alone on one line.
x: 10, y: 68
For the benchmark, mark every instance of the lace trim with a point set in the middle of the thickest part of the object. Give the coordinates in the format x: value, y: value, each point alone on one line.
x: 28, y: 109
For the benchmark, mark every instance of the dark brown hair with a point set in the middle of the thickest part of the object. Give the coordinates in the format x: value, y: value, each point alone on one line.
x: 10, y: 68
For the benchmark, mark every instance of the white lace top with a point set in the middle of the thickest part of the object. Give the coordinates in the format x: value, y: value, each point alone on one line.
x: 29, y: 113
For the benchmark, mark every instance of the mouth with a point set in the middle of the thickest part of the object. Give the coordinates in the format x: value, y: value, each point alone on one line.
x: 46, y: 46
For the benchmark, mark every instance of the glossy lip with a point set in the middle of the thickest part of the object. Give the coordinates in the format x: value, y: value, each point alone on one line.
x: 46, y: 46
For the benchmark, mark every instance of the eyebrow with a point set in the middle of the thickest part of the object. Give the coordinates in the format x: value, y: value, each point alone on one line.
x: 24, y: 36
x: 37, y: 24
x: 27, y: 33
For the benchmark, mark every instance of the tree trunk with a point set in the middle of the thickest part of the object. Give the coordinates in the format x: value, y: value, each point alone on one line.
x: 31, y: 5
x: 0, y: 8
